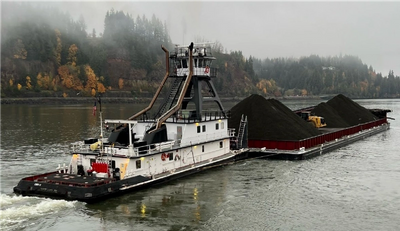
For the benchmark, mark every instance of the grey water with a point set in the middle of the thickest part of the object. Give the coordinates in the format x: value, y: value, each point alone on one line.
x: 353, y: 188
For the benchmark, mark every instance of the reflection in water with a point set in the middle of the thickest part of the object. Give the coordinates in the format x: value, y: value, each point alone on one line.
x: 196, y: 202
x: 143, y: 210
x: 186, y: 203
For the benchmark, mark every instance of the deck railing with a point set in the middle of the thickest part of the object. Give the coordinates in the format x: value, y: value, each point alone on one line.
x: 197, y: 71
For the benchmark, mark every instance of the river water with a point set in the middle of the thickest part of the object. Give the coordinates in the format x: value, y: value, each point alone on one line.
x: 353, y: 188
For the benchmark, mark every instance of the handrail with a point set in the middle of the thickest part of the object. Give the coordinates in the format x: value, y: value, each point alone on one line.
x: 159, y: 88
x: 178, y: 104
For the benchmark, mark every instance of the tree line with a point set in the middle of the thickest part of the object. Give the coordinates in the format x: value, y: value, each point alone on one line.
x: 328, y: 75
x: 44, y: 51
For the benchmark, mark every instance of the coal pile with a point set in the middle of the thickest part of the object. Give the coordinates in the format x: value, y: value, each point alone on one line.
x: 270, y: 120
x: 331, y: 116
x: 341, y: 111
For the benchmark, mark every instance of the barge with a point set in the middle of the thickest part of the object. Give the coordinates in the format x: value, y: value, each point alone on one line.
x: 274, y: 131
x: 315, y: 146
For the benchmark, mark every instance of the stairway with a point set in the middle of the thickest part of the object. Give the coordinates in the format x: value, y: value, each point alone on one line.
x: 172, y: 96
x: 242, y: 126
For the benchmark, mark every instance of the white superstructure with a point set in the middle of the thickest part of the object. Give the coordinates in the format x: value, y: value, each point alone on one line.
x: 178, y: 139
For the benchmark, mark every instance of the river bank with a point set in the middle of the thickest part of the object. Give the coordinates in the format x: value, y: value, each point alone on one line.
x: 131, y: 100
x: 71, y: 100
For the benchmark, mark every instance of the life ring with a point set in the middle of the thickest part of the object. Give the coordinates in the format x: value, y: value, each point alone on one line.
x: 207, y: 69
x: 163, y: 157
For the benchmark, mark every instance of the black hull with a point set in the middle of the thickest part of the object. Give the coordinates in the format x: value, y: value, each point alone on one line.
x: 101, y: 192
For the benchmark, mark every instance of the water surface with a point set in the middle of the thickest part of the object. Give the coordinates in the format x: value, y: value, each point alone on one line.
x: 353, y: 188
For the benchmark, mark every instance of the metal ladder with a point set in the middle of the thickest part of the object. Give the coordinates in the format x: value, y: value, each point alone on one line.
x: 242, y: 126
x: 171, y: 97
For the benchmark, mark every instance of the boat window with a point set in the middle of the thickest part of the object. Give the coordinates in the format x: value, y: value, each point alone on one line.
x: 221, y: 144
x: 201, y: 63
x: 112, y: 163
x: 184, y: 63
x: 171, y: 156
x: 178, y: 63
x: 138, y: 164
x: 216, y: 126
x: 179, y: 132
x: 202, y: 148
x: 198, y: 129
x: 204, y: 128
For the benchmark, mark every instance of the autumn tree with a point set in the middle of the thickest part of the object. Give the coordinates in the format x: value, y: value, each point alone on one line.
x: 73, y: 49
x: 120, y: 83
x: 268, y: 87
x: 69, y: 79
x: 44, y: 81
x: 66, y: 77
x: 101, y: 88
x: 28, y: 83
x: 91, y: 82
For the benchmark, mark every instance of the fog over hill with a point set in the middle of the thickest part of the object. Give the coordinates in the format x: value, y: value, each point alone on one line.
x: 369, y: 30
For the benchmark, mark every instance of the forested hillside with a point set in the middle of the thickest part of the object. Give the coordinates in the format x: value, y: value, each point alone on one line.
x: 44, y: 52
x: 328, y: 75
x: 51, y: 53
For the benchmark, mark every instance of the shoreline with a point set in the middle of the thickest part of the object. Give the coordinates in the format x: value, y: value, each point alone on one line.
x: 136, y: 100
x: 70, y: 100
x: 131, y: 100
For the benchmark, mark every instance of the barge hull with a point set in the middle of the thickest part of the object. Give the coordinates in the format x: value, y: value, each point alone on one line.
x: 317, y: 150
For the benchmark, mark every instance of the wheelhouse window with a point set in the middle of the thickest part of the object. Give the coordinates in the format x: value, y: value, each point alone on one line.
x: 138, y: 164
x: 216, y: 126
x: 184, y: 63
x: 204, y: 128
x: 198, y: 129
x: 201, y: 63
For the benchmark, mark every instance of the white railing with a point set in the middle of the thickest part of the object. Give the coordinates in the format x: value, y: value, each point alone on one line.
x: 154, y: 148
x: 80, y: 146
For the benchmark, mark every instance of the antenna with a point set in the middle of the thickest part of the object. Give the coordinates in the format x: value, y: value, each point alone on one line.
x: 101, y: 124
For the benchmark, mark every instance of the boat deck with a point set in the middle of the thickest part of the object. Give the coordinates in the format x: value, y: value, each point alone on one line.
x: 72, y: 179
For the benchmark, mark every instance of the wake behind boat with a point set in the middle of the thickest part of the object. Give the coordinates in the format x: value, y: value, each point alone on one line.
x: 182, y: 138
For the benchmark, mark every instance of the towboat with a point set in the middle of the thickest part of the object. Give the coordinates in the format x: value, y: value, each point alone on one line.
x: 179, y: 139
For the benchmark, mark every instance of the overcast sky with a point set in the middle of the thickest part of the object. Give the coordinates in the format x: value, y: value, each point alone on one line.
x: 369, y: 30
